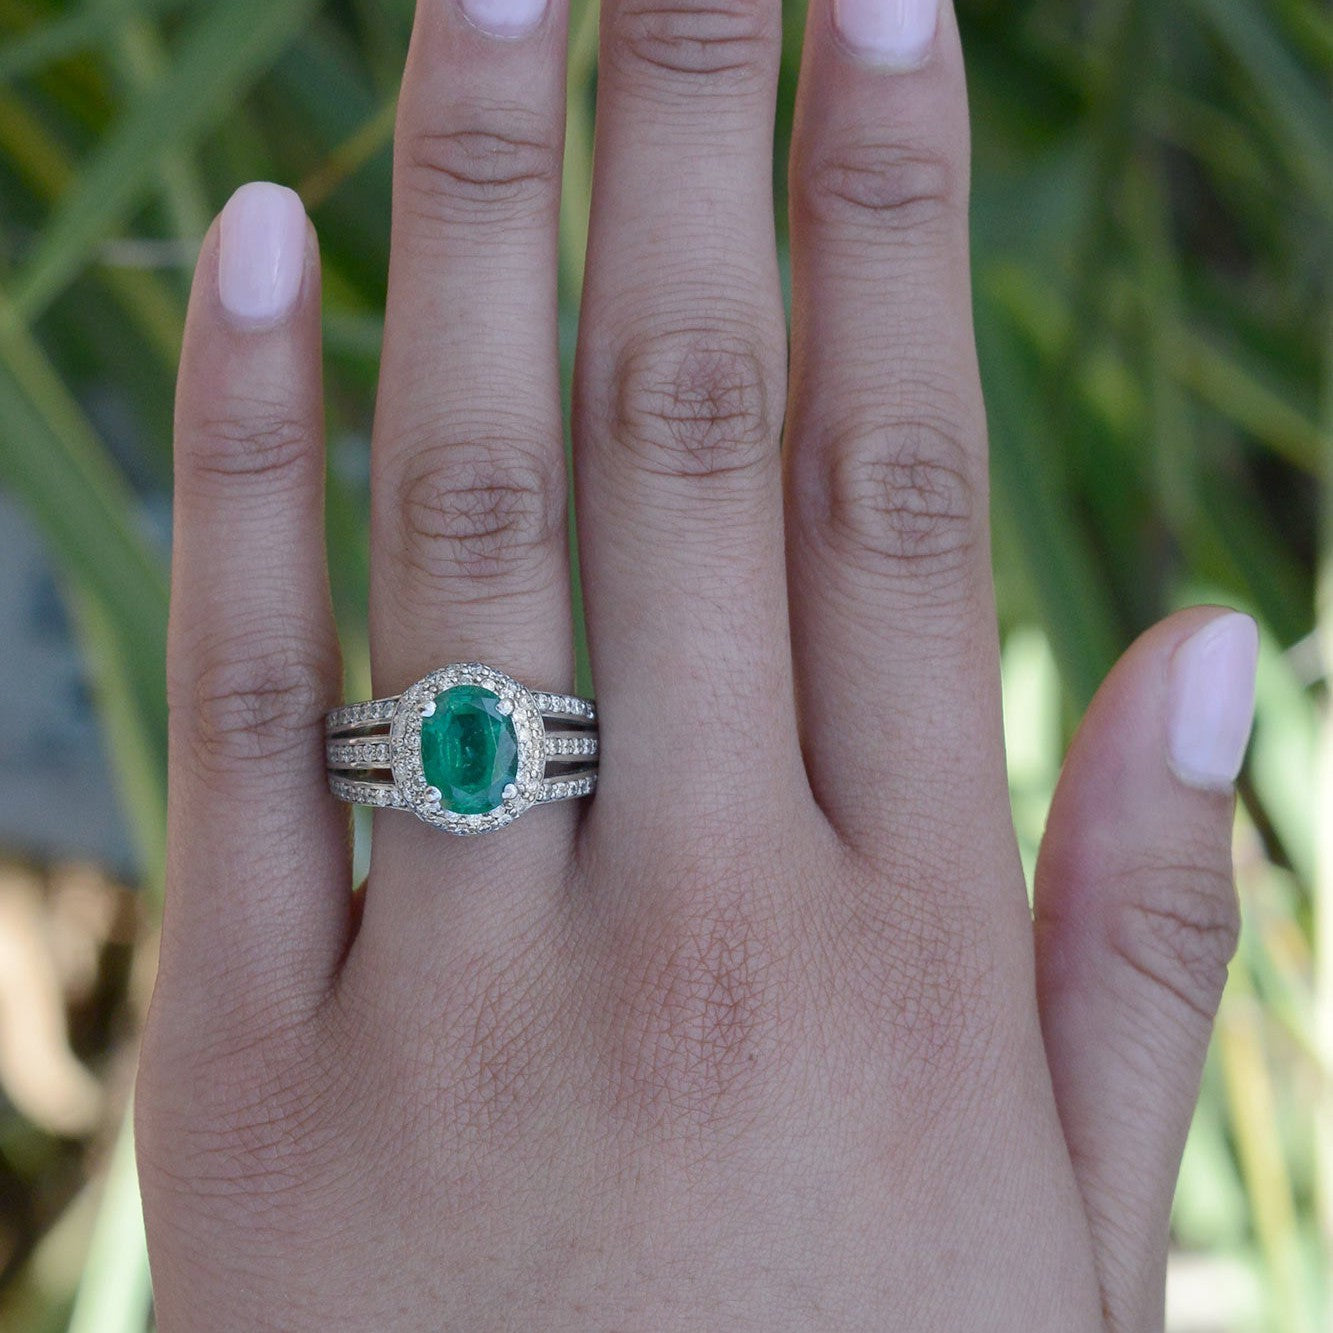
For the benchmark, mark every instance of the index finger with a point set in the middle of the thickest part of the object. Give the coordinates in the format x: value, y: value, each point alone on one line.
x: 258, y: 868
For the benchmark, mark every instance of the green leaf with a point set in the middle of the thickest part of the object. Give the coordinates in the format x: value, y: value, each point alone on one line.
x: 221, y: 53
x: 1030, y: 499
x: 115, y: 1292
x: 58, y: 39
x: 1297, y: 108
x: 54, y: 461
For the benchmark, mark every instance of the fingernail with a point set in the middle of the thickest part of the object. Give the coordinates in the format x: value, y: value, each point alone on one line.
x: 898, y: 33
x: 1210, y: 701
x: 504, y: 18
x: 261, y: 252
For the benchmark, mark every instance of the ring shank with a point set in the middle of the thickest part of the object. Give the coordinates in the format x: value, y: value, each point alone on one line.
x: 376, y: 714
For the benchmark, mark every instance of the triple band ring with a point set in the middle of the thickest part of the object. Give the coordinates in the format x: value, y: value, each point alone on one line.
x: 467, y: 749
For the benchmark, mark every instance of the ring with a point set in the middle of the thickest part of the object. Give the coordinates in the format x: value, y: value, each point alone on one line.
x: 467, y: 748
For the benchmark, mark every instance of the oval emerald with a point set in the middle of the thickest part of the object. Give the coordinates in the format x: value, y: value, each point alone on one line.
x: 469, y: 749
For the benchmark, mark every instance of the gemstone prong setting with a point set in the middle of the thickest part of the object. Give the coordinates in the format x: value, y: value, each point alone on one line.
x: 478, y: 687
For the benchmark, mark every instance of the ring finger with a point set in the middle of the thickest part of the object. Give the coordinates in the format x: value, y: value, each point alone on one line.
x: 468, y: 536
x: 468, y: 530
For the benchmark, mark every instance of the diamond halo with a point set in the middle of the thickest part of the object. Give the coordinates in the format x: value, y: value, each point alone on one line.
x: 417, y: 702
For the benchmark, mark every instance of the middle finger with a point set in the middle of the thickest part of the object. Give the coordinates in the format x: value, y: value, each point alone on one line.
x: 678, y: 406
x: 469, y: 555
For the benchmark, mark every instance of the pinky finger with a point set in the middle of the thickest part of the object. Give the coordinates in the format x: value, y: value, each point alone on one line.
x: 257, y: 895
x: 1136, y: 920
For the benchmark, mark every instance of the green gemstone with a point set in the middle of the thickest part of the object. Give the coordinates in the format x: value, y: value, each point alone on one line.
x: 469, y: 749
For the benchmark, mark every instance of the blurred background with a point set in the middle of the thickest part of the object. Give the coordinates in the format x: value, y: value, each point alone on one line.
x: 1153, y: 200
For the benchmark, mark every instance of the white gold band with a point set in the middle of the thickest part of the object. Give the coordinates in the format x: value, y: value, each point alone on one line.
x: 357, y: 717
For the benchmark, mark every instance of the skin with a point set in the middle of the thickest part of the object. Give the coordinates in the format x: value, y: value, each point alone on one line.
x: 761, y: 1036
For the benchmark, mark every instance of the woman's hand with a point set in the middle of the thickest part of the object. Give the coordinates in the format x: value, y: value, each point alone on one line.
x: 760, y: 1036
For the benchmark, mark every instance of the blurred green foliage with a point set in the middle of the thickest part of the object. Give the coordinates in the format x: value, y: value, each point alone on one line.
x: 1152, y: 209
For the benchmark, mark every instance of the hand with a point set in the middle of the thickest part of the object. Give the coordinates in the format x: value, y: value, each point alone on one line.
x: 759, y: 1036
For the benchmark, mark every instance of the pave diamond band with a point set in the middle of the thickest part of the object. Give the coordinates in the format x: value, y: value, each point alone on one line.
x: 557, y: 707
x: 466, y: 748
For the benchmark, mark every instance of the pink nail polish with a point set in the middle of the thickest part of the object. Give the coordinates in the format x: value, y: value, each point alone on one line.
x: 896, y: 33
x: 504, y: 18
x: 261, y: 253
x: 1210, y: 701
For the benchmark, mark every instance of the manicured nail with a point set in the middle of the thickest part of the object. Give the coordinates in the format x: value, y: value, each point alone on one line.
x: 897, y: 33
x: 504, y: 18
x: 1210, y: 701
x: 261, y: 253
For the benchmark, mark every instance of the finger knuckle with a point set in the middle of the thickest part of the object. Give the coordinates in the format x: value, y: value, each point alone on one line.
x: 503, y: 166
x: 248, y: 702
x: 890, y: 186
x: 912, y: 968
x: 249, y: 439
x: 471, y: 1051
x: 694, y: 403
x: 698, y: 1014
x: 901, y: 502
x: 505, y: 1040
x: 1176, y: 927
x: 479, y: 512
x: 237, y: 1126
x: 695, y: 40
